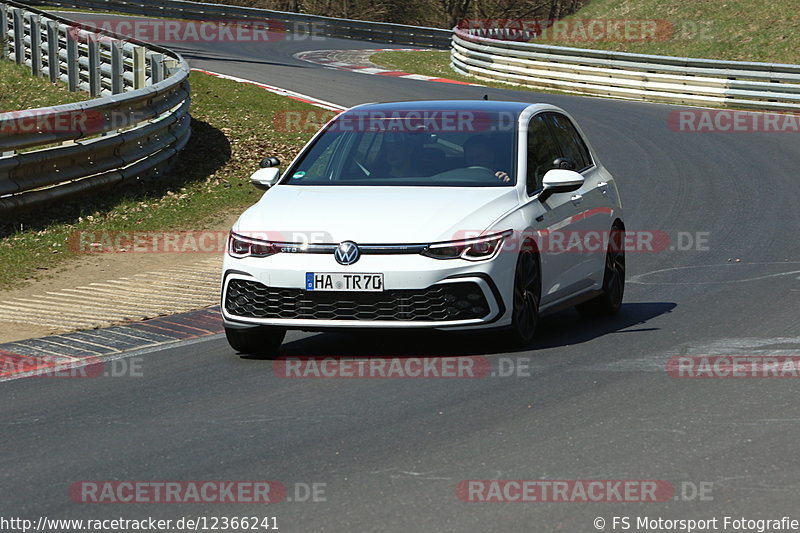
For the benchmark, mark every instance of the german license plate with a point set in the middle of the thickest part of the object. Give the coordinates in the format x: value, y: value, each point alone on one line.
x: 338, y: 281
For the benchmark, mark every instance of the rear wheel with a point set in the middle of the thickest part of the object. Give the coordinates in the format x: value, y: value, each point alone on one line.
x: 527, y: 293
x: 261, y: 342
x: 610, y: 300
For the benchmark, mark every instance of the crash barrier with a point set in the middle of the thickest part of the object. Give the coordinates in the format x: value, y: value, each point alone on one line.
x: 136, y: 122
x: 679, y: 80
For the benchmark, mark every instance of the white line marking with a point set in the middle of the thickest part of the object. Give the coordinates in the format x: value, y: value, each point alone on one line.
x: 279, y: 91
x: 639, y: 277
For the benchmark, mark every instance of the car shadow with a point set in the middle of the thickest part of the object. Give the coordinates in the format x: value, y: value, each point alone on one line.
x: 560, y: 329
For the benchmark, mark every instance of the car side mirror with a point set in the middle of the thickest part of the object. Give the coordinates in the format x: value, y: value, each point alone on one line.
x: 264, y: 178
x: 565, y: 162
x: 269, y: 162
x: 559, y: 180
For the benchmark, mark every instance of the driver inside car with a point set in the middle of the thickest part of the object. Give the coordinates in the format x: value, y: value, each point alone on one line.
x: 478, y: 152
x: 399, y: 158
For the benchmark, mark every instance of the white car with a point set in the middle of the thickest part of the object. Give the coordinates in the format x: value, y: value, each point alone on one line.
x: 436, y: 214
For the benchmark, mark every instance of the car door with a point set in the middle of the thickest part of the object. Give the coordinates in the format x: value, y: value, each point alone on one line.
x: 558, y: 260
x: 592, y: 209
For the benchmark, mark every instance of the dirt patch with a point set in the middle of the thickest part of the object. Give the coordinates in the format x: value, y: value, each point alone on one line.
x: 93, y: 269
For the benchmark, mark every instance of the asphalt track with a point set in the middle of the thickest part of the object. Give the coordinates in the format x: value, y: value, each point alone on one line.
x: 596, y: 405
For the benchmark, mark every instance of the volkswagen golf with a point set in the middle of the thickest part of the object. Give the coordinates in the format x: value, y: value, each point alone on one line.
x: 438, y: 214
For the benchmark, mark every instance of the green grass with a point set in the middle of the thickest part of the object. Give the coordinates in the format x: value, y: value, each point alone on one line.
x: 232, y: 130
x: 738, y: 30
x: 431, y: 63
x: 20, y: 90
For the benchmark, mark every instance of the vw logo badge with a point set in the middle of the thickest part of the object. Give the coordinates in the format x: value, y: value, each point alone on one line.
x: 347, y: 253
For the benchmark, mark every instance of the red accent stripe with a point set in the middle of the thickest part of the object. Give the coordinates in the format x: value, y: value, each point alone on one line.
x: 213, y: 319
x: 185, y: 325
x: 14, y: 363
x: 14, y: 355
x: 592, y: 212
x: 455, y: 82
x: 200, y: 318
x: 312, y: 102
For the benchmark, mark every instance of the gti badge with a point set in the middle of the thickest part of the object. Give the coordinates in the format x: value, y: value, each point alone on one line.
x: 347, y: 253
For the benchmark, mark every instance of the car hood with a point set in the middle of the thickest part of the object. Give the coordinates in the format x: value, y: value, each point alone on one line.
x: 379, y: 215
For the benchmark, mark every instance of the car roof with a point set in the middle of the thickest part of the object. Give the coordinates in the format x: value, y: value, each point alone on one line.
x: 486, y: 106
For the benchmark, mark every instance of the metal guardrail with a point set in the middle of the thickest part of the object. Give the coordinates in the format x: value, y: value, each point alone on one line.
x: 763, y: 86
x: 297, y: 22
x: 137, y: 122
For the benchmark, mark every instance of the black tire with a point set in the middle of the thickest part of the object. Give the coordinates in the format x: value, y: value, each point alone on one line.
x: 527, y: 294
x: 610, y: 300
x: 260, y: 342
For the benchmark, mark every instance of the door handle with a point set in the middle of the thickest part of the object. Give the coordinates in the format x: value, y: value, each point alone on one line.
x: 603, y: 186
x: 577, y: 198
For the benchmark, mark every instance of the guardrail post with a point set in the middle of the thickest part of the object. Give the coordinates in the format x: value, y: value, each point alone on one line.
x: 94, y: 67
x: 53, y: 61
x: 156, y: 68
x: 36, y: 44
x: 73, y: 68
x: 139, y: 71
x: 117, y: 68
x: 3, y: 31
x: 170, y: 65
x: 19, y: 37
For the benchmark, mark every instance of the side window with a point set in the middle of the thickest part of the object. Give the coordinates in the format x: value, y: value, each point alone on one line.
x: 354, y: 162
x: 369, y: 149
x: 570, y: 140
x: 322, y: 156
x: 542, y: 151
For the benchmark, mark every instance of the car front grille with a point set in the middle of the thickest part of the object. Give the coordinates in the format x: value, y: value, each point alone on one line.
x: 443, y: 302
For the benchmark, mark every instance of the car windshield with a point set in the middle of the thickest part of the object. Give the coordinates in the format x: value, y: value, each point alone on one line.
x: 456, y: 149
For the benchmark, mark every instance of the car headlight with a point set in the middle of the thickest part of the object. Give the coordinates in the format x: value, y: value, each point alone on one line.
x: 240, y: 246
x: 478, y: 249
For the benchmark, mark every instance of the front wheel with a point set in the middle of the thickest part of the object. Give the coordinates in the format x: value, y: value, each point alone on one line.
x: 610, y: 300
x: 260, y: 342
x: 527, y: 293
